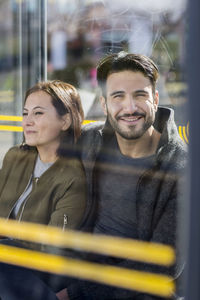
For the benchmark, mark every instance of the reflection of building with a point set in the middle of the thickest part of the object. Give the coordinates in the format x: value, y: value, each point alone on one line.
x: 97, y: 27
x: 85, y: 30
x: 59, y: 50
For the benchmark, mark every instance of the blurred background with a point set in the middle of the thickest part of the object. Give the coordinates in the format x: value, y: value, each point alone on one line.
x: 64, y: 39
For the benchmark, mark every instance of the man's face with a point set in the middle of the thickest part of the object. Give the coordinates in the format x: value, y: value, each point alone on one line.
x: 129, y: 105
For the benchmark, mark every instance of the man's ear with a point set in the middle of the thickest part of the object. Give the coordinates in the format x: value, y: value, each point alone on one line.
x: 103, y: 105
x: 66, y: 119
x: 156, y: 100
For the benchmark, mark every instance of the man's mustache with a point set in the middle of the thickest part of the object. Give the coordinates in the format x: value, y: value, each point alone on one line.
x: 136, y: 114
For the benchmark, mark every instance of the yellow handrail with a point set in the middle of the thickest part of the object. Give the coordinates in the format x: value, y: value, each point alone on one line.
x: 109, y: 245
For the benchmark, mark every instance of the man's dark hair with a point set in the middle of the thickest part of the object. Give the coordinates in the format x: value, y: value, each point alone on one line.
x: 123, y: 61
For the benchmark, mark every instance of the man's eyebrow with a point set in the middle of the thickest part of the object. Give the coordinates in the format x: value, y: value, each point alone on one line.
x: 141, y: 91
x: 116, y: 92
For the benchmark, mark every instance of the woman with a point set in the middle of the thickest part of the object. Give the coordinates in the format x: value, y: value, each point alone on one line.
x: 42, y: 181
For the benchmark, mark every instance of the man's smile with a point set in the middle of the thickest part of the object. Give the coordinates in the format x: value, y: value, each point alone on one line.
x: 131, y: 118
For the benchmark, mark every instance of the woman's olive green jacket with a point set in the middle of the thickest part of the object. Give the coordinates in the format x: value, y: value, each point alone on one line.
x: 58, y: 197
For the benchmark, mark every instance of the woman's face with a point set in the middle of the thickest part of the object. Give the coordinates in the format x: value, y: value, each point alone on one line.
x: 41, y: 123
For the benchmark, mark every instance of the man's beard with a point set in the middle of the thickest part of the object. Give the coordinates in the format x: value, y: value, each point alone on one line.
x: 132, y: 132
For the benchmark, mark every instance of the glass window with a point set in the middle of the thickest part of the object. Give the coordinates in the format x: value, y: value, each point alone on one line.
x: 22, y: 62
x: 10, y: 75
x: 64, y: 39
x: 81, y: 32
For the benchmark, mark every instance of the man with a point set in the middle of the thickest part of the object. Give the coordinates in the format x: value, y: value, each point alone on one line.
x: 133, y: 165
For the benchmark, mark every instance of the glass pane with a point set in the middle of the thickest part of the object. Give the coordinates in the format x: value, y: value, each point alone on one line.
x: 22, y: 62
x: 10, y: 75
x: 81, y: 32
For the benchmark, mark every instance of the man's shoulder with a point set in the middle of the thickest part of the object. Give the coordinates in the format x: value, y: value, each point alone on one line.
x: 182, y: 155
x: 91, y: 137
x: 92, y: 127
x: 91, y: 130
x: 175, y: 155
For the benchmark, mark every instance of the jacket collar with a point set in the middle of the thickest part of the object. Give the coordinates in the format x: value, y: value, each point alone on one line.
x: 165, y: 124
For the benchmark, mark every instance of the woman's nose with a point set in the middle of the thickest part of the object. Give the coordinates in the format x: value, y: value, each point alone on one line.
x: 28, y: 119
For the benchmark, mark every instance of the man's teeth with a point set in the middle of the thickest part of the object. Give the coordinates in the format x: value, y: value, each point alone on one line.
x: 131, y: 119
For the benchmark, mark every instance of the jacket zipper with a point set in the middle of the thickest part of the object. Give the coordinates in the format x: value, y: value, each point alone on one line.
x: 65, y: 221
x: 35, y: 181
x: 20, y: 196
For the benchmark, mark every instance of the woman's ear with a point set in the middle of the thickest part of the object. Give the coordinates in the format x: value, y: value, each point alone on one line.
x: 66, y: 119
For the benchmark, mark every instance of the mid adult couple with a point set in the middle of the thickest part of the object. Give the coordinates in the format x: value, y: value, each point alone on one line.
x: 133, y: 165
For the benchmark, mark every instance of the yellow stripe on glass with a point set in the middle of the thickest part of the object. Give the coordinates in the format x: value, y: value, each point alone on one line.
x: 10, y: 118
x: 19, y: 119
x: 135, y: 280
x: 184, y: 133
x: 115, y: 246
x: 11, y: 128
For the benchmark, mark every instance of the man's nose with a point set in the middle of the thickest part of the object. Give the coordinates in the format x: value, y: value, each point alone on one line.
x: 130, y: 105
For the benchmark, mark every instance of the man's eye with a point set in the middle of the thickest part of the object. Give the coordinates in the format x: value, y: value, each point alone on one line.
x: 38, y: 113
x: 118, y: 96
x: 24, y: 114
x: 141, y: 95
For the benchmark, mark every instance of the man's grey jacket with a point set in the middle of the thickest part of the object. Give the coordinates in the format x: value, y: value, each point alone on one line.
x: 158, y: 192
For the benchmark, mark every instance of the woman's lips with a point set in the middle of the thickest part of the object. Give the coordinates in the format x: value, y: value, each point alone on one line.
x: 30, y: 132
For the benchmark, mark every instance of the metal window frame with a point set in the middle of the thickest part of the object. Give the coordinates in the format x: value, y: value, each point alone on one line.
x: 192, y: 278
x: 33, y: 42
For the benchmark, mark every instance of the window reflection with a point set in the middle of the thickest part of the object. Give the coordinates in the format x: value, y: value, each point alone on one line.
x: 10, y: 102
x: 81, y: 32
